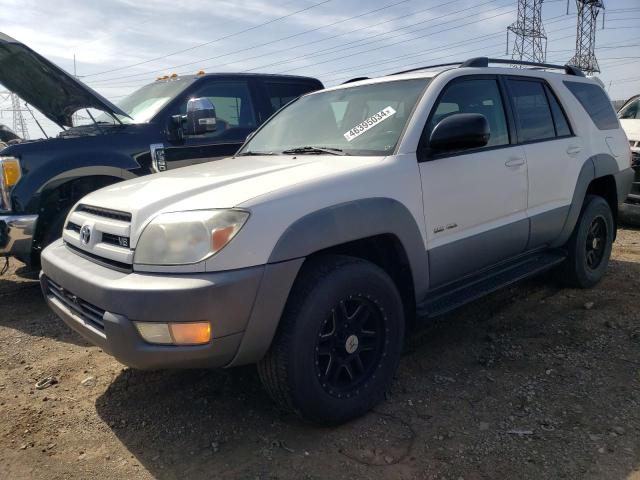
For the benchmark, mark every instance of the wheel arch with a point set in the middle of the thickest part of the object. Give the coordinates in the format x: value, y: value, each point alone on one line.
x: 361, y: 228
x: 598, y: 176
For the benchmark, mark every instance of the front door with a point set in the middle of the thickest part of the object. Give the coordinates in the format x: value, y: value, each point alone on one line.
x: 236, y: 119
x: 474, y: 201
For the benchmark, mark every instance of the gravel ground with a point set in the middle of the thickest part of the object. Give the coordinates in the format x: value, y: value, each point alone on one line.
x: 532, y: 382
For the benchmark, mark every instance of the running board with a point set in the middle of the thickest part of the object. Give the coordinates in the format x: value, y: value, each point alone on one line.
x: 452, y: 296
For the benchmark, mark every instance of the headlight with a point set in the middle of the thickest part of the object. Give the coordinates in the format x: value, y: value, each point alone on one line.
x: 181, y: 238
x: 10, y: 174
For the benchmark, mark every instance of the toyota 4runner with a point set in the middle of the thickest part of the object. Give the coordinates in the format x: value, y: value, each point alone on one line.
x: 350, y: 215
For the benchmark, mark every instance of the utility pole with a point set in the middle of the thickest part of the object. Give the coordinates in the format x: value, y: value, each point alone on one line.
x: 19, y: 123
x: 585, y: 56
x: 531, y: 40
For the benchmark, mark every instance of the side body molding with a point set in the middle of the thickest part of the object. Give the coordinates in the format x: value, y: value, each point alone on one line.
x: 594, y: 167
x: 355, y: 220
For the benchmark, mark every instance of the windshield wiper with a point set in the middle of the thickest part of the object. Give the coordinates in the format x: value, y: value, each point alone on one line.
x: 249, y: 152
x: 311, y: 150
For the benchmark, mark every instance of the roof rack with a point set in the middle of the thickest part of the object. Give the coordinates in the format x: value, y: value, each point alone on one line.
x: 483, y: 62
x: 356, y: 79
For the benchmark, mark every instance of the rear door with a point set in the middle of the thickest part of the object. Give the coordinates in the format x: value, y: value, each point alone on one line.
x: 237, y: 116
x: 474, y: 200
x: 554, y: 155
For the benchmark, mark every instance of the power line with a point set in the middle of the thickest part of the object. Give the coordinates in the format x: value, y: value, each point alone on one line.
x: 263, y: 44
x: 211, y: 41
x: 368, y: 27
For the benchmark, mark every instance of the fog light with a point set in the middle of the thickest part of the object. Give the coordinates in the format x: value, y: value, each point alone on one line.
x: 155, y: 332
x: 195, y: 333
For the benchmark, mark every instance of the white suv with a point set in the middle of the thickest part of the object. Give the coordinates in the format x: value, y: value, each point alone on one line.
x: 353, y: 213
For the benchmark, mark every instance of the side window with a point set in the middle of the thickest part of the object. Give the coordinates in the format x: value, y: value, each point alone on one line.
x: 596, y: 103
x: 282, y: 93
x: 234, y: 108
x: 533, y: 115
x: 631, y: 111
x: 474, y: 96
x: 559, y: 118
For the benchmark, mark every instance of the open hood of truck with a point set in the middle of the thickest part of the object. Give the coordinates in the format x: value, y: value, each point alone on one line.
x: 54, y: 92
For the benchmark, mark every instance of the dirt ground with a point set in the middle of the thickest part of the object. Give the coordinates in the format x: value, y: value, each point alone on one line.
x: 532, y: 382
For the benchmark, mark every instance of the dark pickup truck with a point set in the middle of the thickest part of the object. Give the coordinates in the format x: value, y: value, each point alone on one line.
x: 172, y: 122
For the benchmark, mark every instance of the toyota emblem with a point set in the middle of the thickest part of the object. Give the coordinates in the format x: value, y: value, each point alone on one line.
x: 85, y: 234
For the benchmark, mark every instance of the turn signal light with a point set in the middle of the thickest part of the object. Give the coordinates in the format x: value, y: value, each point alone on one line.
x: 191, y: 333
x: 10, y: 171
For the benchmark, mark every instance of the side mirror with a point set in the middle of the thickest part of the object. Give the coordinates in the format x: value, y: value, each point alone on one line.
x: 201, y: 116
x: 460, y: 131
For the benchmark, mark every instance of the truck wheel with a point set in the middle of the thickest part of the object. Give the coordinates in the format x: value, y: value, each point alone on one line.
x: 51, y: 234
x: 589, y: 246
x: 339, y: 340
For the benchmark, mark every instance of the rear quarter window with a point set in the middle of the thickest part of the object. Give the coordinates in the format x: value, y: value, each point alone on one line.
x: 596, y: 104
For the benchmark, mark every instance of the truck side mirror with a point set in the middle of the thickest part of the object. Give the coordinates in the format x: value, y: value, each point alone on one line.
x: 460, y: 131
x: 201, y: 116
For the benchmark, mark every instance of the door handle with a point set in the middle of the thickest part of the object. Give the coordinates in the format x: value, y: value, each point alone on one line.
x: 514, y: 162
x: 574, y: 150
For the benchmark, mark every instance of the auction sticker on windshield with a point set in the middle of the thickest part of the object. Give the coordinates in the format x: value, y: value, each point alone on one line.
x: 369, y: 123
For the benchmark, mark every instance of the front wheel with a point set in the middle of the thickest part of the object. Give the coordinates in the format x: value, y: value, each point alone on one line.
x: 590, y: 245
x: 339, y: 341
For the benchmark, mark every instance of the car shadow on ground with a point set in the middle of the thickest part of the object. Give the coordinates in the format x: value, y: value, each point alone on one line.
x: 522, y: 375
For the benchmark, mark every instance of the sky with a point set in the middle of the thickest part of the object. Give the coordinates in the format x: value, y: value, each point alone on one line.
x: 120, y: 45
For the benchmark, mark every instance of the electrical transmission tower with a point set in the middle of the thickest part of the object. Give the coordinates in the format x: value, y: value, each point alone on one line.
x: 531, y: 40
x: 585, y: 57
x: 19, y: 123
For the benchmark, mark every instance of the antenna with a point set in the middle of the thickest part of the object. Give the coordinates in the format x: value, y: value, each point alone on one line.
x: 585, y: 56
x: 531, y: 40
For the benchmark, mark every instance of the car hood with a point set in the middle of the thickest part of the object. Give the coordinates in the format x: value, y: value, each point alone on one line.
x: 632, y: 128
x: 39, y: 82
x: 223, y: 183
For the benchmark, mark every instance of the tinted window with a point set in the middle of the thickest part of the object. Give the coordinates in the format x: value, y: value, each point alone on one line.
x: 282, y: 93
x: 234, y: 108
x: 631, y: 110
x: 474, y: 96
x: 533, y: 115
x: 559, y: 118
x: 596, y: 103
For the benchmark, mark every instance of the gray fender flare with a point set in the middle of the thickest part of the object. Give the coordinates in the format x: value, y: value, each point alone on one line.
x: 594, y: 167
x: 355, y: 220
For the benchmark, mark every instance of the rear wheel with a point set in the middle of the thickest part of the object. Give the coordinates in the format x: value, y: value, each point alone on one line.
x: 339, y: 341
x: 590, y: 245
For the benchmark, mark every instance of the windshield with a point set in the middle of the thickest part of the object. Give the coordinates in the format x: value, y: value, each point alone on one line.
x: 145, y: 102
x: 360, y: 120
x: 631, y: 110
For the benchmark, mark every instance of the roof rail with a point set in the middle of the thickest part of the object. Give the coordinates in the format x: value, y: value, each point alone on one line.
x: 451, y: 64
x: 483, y: 62
x: 480, y: 62
x: 356, y: 79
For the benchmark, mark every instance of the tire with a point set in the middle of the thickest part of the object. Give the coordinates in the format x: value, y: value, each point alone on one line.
x: 588, y: 259
x: 51, y: 234
x: 304, y: 370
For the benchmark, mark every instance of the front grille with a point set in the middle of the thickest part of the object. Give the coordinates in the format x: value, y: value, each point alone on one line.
x: 73, y: 227
x: 104, y: 212
x: 115, y: 240
x: 105, y: 262
x: 635, y: 186
x: 90, y: 314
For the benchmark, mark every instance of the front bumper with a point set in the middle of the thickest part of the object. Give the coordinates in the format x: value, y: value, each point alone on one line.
x: 16, y: 234
x: 101, y: 304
